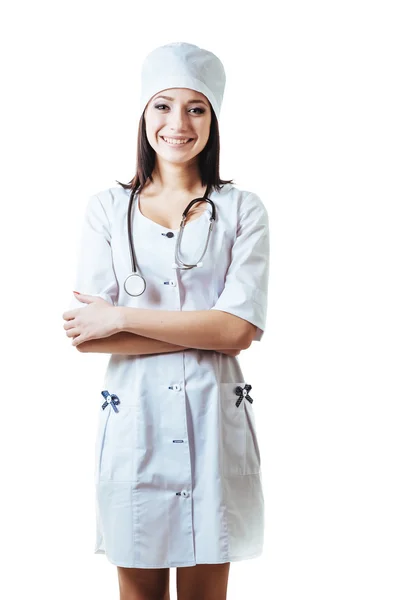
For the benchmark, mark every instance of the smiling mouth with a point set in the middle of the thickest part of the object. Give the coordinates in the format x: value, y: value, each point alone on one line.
x: 176, y: 142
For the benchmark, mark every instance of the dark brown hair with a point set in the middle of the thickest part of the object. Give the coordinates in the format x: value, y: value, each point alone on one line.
x: 208, y: 159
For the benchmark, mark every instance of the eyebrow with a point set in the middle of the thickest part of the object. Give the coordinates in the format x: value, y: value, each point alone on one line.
x: 188, y: 101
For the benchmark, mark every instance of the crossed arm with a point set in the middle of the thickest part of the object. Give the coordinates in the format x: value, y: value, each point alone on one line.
x: 148, y: 331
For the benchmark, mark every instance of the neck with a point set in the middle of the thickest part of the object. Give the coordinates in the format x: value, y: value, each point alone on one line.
x: 174, y: 179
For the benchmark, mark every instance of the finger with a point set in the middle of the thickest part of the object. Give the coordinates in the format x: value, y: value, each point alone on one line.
x: 67, y: 316
x: 74, y: 332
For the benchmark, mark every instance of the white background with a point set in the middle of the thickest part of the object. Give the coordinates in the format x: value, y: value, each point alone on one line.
x: 310, y: 123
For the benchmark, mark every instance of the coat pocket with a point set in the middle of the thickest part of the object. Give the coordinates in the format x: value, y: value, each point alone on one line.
x: 116, y: 440
x: 240, y: 448
x: 102, y: 423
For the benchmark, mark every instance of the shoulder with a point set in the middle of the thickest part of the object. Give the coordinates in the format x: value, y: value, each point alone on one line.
x: 245, y: 205
x: 108, y: 197
x: 107, y: 200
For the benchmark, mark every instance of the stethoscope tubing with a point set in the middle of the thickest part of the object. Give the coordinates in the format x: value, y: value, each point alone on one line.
x: 179, y: 264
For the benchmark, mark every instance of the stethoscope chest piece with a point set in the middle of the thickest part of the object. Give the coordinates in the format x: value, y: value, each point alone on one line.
x: 134, y: 284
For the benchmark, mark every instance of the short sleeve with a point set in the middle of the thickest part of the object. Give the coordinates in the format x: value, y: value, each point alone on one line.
x: 246, y: 282
x: 94, y: 270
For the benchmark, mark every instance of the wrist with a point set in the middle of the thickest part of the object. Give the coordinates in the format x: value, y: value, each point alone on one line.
x: 120, y: 321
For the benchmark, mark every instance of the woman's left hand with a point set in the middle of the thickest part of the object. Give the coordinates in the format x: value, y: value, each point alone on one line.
x: 97, y: 320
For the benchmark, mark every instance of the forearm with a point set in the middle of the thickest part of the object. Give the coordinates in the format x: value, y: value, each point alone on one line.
x: 128, y: 343
x: 201, y: 329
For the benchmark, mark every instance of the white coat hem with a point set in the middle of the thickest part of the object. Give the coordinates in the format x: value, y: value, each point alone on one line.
x: 181, y: 564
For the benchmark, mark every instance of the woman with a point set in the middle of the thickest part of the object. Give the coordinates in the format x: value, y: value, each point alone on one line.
x: 178, y: 479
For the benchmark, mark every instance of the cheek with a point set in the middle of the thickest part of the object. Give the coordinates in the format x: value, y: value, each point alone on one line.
x: 205, y: 129
x: 154, y: 125
x: 203, y: 134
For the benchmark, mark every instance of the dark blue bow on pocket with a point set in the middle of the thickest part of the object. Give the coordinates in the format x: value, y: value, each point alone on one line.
x: 243, y: 393
x: 111, y: 399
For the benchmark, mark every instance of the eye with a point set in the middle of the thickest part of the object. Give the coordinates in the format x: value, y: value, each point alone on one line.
x: 201, y: 110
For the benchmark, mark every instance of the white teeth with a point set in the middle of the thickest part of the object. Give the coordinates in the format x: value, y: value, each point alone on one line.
x: 174, y: 142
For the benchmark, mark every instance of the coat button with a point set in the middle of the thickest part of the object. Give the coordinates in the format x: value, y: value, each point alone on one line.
x: 176, y: 386
x: 171, y: 282
x: 184, y: 493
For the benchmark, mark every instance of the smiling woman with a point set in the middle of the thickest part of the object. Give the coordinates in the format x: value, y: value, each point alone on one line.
x: 176, y: 383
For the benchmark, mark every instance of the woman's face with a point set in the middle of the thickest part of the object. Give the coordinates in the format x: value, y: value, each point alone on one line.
x: 184, y: 114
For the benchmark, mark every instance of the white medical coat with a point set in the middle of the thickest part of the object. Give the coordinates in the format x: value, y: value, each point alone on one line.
x: 177, y: 469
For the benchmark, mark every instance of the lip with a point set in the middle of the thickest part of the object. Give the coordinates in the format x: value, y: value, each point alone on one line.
x: 176, y: 145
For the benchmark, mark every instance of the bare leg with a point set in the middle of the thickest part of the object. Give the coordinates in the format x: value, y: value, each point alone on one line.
x: 143, y: 584
x: 202, y: 581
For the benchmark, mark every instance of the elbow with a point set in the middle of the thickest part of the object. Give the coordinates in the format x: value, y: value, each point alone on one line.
x: 242, y: 341
x: 247, y: 336
x: 245, y: 342
x: 238, y: 332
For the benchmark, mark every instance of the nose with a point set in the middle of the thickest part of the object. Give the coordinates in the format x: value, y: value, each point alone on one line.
x: 178, y: 119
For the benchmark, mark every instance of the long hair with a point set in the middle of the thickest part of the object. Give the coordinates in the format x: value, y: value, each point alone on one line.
x: 208, y: 159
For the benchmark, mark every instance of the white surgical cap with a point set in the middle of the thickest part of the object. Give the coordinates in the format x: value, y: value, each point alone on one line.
x: 182, y: 65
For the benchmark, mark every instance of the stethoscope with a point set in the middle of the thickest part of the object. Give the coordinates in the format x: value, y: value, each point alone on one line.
x: 135, y: 283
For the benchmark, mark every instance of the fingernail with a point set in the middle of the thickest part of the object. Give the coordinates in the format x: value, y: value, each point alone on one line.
x: 76, y: 292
